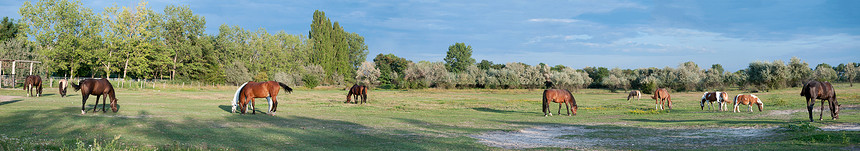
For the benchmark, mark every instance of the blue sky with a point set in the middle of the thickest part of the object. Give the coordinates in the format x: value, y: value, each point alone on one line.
x: 609, y: 33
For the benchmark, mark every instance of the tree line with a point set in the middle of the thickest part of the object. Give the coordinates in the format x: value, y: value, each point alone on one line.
x: 140, y: 43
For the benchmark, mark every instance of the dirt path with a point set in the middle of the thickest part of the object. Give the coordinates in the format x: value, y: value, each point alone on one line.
x: 613, y: 137
x: 4, y: 98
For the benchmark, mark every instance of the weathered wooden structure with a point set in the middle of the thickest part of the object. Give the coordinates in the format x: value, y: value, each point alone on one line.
x: 11, y: 79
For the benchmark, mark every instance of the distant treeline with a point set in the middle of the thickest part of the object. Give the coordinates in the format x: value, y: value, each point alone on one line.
x: 140, y: 43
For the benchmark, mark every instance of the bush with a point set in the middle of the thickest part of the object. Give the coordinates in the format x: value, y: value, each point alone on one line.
x: 310, y: 81
x: 236, y: 73
x: 368, y: 74
x: 290, y: 79
x: 261, y: 76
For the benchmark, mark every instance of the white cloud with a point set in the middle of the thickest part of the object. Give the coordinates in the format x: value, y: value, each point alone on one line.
x: 553, y: 38
x: 556, y: 20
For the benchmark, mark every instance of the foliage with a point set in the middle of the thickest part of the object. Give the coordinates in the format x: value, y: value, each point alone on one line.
x: 237, y: 73
x: 390, y: 67
x: 8, y: 29
x: 824, y: 73
x: 458, y: 58
x: 367, y: 74
x: 332, y: 49
x: 310, y: 81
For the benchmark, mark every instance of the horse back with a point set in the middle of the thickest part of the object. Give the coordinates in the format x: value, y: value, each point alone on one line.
x: 557, y: 95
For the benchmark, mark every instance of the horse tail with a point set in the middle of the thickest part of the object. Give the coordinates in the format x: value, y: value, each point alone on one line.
x: 286, y: 88
x: 544, y: 103
x: 77, y: 86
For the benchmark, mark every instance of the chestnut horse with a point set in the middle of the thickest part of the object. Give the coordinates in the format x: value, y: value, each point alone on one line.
x: 97, y: 87
x: 661, y: 95
x: 358, y: 92
x: 720, y: 97
x: 63, y: 87
x: 748, y: 100
x: 268, y: 90
x: 634, y: 93
x: 33, y: 82
x: 559, y: 96
x: 823, y: 91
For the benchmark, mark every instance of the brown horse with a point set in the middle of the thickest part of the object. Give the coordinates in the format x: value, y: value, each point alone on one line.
x: 720, y: 97
x: 661, y: 95
x: 268, y: 90
x: 33, y: 82
x: 358, y: 92
x: 634, y: 93
x: 63, y: 87
x: 823, y: 91
x: 559, y: 96
x: 97, y: 87
x: 748, y: 100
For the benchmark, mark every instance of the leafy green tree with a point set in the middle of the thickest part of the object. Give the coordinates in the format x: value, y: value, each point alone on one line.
x: 357, y: 49
x: 824, y: 72
x: 799, y: 72
x: 389, y: 65
x: 65, y: 33
x: 8, y: 29
x: 459, y: 57
x: 182, y: 29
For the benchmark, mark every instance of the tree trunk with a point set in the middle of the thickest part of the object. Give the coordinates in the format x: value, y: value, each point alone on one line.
x: 125, y: 70
x: 173, y: 71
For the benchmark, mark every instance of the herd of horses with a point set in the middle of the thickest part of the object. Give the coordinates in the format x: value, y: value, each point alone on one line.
x: 247, y: 92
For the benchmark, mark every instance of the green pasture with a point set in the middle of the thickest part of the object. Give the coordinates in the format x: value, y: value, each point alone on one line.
x: 429, y: 119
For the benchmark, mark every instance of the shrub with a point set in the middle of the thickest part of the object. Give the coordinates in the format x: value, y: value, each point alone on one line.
x: 368, y: 74
x: 310, y: 81
x: 236, y: 73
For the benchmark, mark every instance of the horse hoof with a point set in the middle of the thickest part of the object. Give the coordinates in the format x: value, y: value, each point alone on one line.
x: 83, y: 112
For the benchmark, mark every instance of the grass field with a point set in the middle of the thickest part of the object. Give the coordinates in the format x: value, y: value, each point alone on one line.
x: 430, y: 119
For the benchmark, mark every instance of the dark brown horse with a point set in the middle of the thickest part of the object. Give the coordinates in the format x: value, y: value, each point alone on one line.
x: 33, y: 82
x: 63, y: 87
x: 823, y: 91
x: 634, y: 93
x: 251, y: 90
x: 661, y: 95
x: 559, y: 96
x: 97, y: 87
x: 358, y: 92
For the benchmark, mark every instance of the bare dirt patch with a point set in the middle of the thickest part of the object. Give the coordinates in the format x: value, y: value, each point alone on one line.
x: 842, y: 127
x: 614, y: 137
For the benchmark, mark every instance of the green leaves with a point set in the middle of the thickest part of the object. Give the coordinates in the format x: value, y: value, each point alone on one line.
x: 459, y: 57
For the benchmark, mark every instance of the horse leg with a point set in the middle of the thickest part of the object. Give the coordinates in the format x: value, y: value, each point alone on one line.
x: 568, y: 108
x: 559, y: 108
x: 96, y: 107
x: 544, y: 106
x: 104, y: 103
x: 364, y: 98
x: 84, y: 103
x: 253, y: 106
x: 822, y: 111
x: 810, y: 102
x: 269, y: 100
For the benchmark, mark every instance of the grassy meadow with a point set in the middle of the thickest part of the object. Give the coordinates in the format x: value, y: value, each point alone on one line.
x: 428, y: 119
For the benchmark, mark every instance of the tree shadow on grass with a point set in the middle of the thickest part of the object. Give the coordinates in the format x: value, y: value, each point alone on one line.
x: 64, y: 127
x: 706, y: 121
x: 10, y: 102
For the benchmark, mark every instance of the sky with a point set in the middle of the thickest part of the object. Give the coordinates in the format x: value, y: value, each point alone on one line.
x: 574, y: 33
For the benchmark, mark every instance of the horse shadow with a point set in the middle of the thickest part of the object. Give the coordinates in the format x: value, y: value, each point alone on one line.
x: 485, y: 109
x: 707, y: 121
x: 10, y: 102
x: 229, y: 109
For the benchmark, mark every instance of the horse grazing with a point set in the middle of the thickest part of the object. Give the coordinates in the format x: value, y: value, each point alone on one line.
x: 823, y: 91
x: 97, y: 87
x: 720, y: 97
x: 634, y: 93
x: 358, y: 92
x: 748, y: 100
x: 661, y: 95
x: 33, y: 82
x: 248, y: 91
x: 63, y: 87
x: 559, y: 96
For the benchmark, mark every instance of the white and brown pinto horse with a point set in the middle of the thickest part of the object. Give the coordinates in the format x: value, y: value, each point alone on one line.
x: 661, y: 95
x: 720, y: 97
x: 748, y: 100
x: 634, y: 93
x: 560, y: 96
x: 823, y: 91
x: 63, y: 87
x: 250, y: 90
